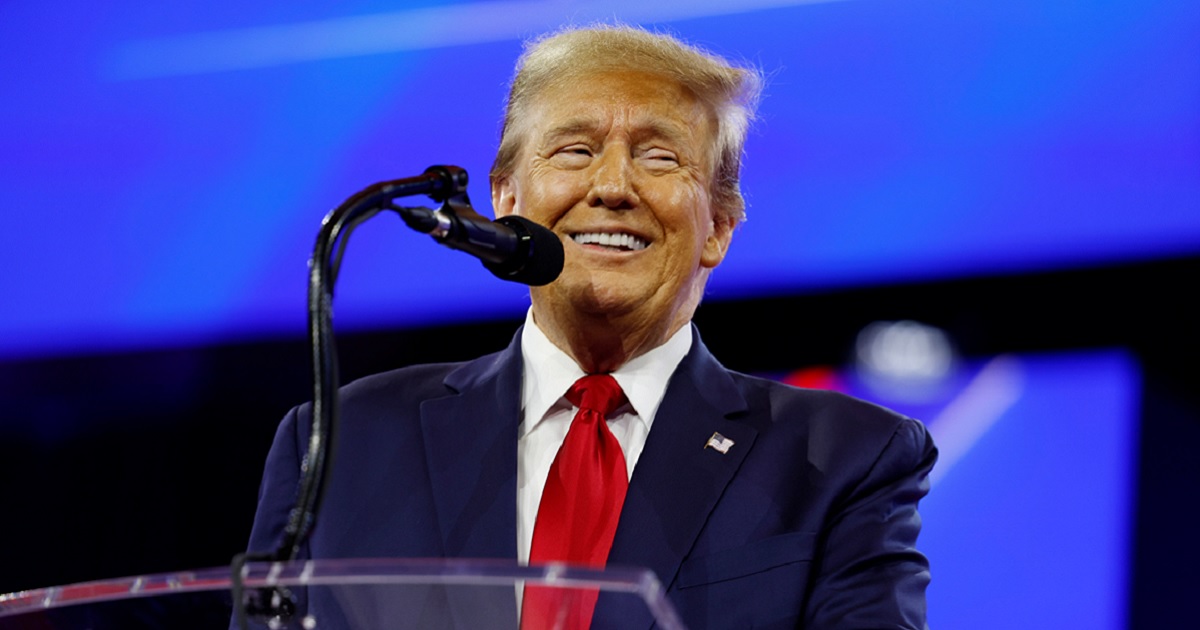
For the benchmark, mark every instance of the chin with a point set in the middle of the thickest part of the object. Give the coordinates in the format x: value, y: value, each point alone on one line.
x: 610, y: 300
x: 592, y: 298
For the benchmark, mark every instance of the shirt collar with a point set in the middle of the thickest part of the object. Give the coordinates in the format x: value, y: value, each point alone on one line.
x: 549, y: 373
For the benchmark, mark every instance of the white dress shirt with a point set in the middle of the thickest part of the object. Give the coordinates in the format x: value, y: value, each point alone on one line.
x: 546, y: 413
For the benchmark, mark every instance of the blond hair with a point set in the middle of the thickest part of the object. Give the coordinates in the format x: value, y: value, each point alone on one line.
x: 730, y: 91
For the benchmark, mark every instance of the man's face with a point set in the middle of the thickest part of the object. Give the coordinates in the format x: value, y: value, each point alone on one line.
x: 619, y: 165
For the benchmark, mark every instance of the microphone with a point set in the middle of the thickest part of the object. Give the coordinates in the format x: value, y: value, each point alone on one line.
x: 512, y: 248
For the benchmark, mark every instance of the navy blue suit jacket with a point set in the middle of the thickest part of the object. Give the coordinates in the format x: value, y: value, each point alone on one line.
x: 810, y: 520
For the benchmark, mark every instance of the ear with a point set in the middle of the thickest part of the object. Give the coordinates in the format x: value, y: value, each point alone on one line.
x: 504, y: 196
x: 717, y: 242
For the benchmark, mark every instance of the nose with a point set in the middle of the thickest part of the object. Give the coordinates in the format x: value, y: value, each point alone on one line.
x: 612, y: 181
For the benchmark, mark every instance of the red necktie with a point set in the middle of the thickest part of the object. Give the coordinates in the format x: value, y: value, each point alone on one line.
x: 580, y: 506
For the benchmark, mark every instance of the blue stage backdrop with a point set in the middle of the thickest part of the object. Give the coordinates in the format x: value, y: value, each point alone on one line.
x: 165, y: 165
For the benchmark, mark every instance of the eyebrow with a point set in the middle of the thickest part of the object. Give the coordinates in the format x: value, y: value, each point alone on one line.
x: 574, y: 126
x: 671, y: 133
x: 577, y: 126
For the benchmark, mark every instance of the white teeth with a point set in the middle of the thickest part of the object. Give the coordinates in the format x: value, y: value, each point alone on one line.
x: 621, y: 241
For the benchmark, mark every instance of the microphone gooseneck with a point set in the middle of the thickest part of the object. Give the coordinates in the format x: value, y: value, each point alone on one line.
x: 512, y: 248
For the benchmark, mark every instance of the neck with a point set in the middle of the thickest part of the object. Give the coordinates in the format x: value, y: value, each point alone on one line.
x: 603, y: 343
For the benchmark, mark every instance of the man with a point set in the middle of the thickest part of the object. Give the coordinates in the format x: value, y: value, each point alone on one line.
x: 756, y: 504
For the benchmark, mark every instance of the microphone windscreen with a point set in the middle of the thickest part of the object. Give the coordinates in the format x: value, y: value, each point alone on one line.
x: 542, y: 258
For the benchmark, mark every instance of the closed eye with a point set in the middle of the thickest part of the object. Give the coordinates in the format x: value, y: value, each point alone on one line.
x: 660, y: 158
x: 572, y: 156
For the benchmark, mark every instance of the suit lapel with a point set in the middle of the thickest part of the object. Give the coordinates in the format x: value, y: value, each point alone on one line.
x: 470, y: 445
x: 471, y: 448
x: 678, y: 481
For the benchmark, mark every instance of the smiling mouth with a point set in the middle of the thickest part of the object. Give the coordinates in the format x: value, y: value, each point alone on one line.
x: 619, y: 242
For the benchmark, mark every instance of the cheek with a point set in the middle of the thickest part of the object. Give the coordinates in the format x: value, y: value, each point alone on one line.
x: 548, y: 196
x: 682, y: 198
x: 690, y: 210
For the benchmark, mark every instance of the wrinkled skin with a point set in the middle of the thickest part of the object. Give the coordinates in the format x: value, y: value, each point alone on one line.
x: 619, y: 153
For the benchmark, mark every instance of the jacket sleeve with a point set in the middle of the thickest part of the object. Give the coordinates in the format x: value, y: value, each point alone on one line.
x: 277, y: 492
x: 868, y: 573
x: 276, y: 497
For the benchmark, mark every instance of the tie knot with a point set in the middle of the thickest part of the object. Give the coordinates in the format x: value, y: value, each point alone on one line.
x: 597, y: 392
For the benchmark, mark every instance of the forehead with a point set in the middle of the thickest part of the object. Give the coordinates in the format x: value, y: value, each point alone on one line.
x: 637, y: 102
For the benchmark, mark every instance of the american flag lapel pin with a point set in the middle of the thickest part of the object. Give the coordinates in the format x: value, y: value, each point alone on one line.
x: 719, y: 443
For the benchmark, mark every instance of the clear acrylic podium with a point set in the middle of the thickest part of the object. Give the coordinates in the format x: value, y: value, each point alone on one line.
x: 359, y: 594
